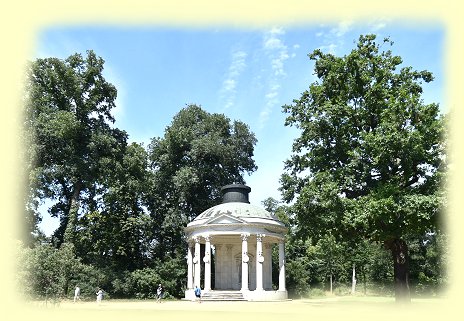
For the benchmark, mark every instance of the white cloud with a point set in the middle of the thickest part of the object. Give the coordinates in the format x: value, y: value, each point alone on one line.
x: 277, y: 53
x: 229, y: 85
x: 330, y: 48
x: 276, y: 50
x: 238, y: 63
x: 273, y: 43
x: 342, y: 28
x: 271, y: 95
x: 376, y: 25
x: 334, y: 39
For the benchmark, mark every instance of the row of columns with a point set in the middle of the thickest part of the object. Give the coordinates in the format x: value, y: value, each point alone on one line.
x: 193, y: 279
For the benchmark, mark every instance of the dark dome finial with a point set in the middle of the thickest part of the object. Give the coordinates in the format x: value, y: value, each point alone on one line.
x: 235, y: 193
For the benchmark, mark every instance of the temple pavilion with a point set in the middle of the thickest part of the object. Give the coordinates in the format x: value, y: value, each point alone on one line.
x: 230, y: 249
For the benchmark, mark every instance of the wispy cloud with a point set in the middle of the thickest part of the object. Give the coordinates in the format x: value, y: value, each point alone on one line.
x: 229, y: 85
x: 276, y: 50
x: 334, y: 38
x: 277, y: 53
x: 378, y: 24
x: 342, y: 28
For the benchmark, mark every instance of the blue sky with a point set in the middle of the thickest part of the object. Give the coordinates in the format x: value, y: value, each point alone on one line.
x: 245, y: 73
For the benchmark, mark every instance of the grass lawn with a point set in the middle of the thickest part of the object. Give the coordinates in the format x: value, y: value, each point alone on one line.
x: 332, y: 308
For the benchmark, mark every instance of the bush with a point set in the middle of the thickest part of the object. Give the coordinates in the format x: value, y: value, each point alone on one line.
x: 89, y: 279
x: 315, y: 293
x: 45, y: 272
x: 143, y: 283
x: 298, y: 278
x: 342, y: 290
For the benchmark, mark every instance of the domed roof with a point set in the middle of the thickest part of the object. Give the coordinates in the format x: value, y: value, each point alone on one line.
x: 236, y: 209
x: 235, y: 215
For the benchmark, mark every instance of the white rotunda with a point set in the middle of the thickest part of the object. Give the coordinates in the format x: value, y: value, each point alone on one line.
x: 232, y: 243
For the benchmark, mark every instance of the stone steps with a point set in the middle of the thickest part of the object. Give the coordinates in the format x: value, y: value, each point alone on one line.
x: 222, y: 296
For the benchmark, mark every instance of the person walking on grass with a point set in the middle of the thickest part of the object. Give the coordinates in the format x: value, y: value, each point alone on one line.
x: 99, y: 295
x: 77, y: 293
x: 198, y: 293
x: 159, y: 293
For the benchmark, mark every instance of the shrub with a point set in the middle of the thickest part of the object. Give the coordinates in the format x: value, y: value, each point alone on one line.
x: 315, y: 293
x: 342, y: 290
x: 298, y: 278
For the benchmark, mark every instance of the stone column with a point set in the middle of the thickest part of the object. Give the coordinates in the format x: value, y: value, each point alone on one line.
x: 267, y: 265
x: 245, y: 260
x: 259, y: 262
x: 281, y: 266
x: 229, y: 267
x: 189, y: 267
x: 207, y: 260
x: 196, y: 261
x: 219, y: 257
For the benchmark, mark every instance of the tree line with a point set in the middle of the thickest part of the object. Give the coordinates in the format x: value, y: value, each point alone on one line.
x: 366, y: 175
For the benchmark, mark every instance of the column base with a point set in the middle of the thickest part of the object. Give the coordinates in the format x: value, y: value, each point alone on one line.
x: 265, y: 295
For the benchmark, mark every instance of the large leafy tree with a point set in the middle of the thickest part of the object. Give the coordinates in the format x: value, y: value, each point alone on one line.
x: 72, y: 145
x: 370, y: 158
x: 199, y: 153
x: 119, y: 232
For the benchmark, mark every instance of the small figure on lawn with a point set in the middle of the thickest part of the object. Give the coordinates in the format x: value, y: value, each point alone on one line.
x: 77, y: 293
x: 198, y: 293
x: 159, y: 293
x: 99, y: 295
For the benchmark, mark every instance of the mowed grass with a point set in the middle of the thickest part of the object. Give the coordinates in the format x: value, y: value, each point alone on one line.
x: 333, y: 308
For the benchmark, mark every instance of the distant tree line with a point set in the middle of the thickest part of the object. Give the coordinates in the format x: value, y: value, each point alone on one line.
x: 365, y: 177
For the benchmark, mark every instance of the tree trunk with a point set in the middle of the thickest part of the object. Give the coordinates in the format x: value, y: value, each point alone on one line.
x: 70, y: 229
x: 330, y: 283
x: 399, y: 250
x: 353, y: 280
x: 364, y: 281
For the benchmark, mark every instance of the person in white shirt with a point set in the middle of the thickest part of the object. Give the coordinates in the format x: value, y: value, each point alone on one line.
x: 99, y: 295
x: 77, y: 293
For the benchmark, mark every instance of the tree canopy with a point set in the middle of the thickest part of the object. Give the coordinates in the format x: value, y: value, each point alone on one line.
x: 371, y: 155
x: 122, y: 207
x: 71, y: 143
x: 199, y: 153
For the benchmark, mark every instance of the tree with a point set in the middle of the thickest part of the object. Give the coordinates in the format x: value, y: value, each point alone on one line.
x: 279, y: 210
x: 371, y: 155
x: 119, y: 233
x: 199, y: 153
x: 329, y: 253
x: 428, y: 263
x: 72, y: 145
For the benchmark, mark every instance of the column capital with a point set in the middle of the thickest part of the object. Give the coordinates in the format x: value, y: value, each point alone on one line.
x: 207, y: 237
x: 259, y: 237
x: 196, y: 239
x: 245, y: 236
